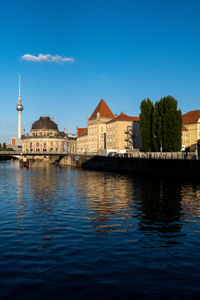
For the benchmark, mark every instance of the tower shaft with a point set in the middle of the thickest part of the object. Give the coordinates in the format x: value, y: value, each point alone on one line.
x: 19, y: 125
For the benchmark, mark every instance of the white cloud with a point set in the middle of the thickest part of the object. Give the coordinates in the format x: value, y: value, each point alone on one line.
x: 47, y: 58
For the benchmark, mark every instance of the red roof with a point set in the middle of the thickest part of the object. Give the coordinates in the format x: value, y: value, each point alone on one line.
x: 191, y: 117
x: 184, y: 128
x: 103, y: 109
x: 123, y: 117
x: 81, y: 131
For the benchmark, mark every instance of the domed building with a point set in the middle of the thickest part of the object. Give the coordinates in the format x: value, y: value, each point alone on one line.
x: 45, y: 137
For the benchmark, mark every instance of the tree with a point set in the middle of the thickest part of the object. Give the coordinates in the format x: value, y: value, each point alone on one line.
x: 4, y: 146
x: 157, y: 138
x: 146, y: 116
x: 170, y: 125
x: 161, y: 125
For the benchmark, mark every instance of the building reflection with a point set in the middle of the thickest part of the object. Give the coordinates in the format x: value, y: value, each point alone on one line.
x: 123, y: 203
x: 20, y: 207
x: 110, y: 202
x: 44, y: 185
x: 107, y: 197
x: 37, y: 193
x: 190, y: 201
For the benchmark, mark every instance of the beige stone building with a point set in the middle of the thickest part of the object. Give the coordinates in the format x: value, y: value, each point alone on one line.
x: 45, y: 137
x: 191, y: 132
x: 105, y: 131
x: 97, y: 127
x: 116, y: 131
x: 82, y: 140
x: 185, y: 137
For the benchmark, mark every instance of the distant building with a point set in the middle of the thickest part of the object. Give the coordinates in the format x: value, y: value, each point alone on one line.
x: 45, y: 137
x: 191, y: 128
x: 13, y: 142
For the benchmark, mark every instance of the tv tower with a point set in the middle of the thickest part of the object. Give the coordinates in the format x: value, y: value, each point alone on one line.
x: 19, y: 108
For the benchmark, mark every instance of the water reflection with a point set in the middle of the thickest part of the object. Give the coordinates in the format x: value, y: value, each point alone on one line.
x: 114, y: 203
x: 65, y: 228
x: 111, y: 202
x: 44, y: 185
x: 160, y: 205
x: 191, y: 202
x: 20, y: 203
x: 108, y: 198
x: 122, y: 203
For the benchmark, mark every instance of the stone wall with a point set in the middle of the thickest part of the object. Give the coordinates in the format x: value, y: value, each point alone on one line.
x: 175, y: 167
x: 169, y: 167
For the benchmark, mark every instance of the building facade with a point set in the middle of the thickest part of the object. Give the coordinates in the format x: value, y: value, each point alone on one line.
x: 97, y: 127
x: 117, y: 130
x: 45, y: 137
x: 82, y: 140
x: 191, y: 128
x: 185, y: 137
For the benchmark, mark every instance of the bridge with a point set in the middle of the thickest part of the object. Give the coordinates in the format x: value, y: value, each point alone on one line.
x: 65, y: 158
x: 31, y: 153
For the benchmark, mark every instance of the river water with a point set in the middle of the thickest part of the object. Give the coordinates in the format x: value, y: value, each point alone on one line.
x: 68, y: 233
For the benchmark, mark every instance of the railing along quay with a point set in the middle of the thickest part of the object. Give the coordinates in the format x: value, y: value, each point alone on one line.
x: 146, y: 155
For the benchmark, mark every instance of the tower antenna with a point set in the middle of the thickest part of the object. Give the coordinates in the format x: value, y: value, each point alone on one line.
x: 19, y: 86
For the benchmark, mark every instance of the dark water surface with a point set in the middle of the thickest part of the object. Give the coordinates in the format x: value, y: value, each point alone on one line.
x: 71, y: 234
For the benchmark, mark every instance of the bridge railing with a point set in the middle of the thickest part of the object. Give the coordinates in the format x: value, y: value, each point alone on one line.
x: 4, y: 153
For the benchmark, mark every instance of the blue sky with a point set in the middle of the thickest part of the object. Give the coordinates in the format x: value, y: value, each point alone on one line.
x: 121, y: 51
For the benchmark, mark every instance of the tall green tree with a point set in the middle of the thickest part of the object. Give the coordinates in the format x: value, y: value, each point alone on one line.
x: 171, y: 124
x: 4, y: 146
x: 157, y: 128
x: 146, y: 117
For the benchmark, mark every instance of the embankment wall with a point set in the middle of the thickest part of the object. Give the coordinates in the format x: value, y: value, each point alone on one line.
x: 145, y: 166
x: 170, y: 167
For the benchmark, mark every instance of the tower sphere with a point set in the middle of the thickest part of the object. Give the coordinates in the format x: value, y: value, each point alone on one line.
x: 19, y: 107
